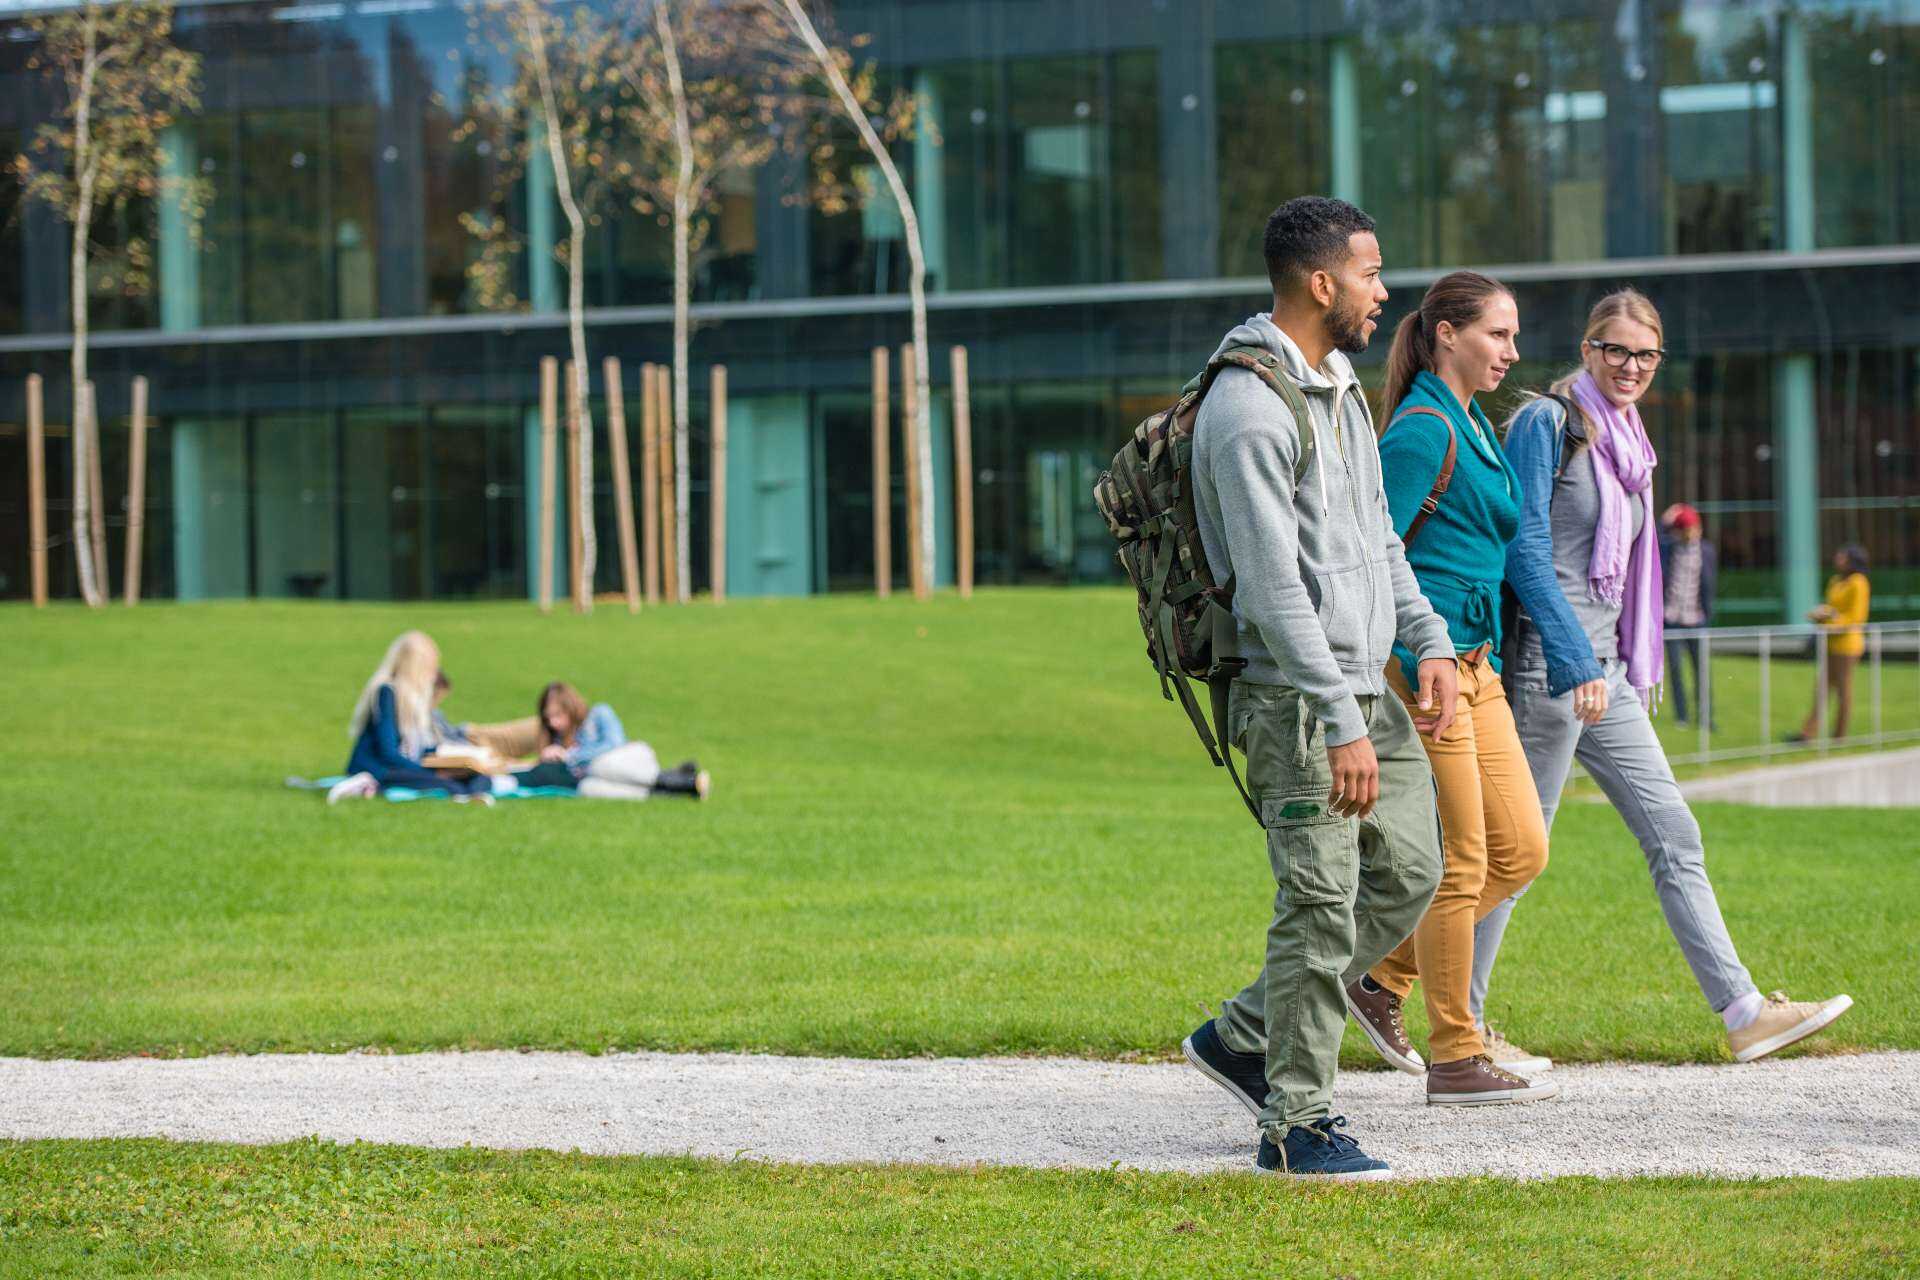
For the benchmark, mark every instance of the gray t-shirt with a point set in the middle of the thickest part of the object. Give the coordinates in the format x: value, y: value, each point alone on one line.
x: 1576, y: 510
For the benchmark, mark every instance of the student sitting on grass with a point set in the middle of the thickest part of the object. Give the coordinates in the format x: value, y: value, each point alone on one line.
x: 586, y: 749
x: 392, y: 727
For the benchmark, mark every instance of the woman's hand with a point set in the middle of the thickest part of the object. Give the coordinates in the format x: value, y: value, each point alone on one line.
x: 552, y: 753
x: 1590, y: 701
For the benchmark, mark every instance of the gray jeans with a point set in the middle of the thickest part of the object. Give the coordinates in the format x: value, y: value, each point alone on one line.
x: 1622, y: 754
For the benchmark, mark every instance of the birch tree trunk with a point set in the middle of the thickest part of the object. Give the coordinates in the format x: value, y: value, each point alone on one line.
x: 682, y: 293
x: 922, y: 461
x: 84, y: 441
x: 576, y: 306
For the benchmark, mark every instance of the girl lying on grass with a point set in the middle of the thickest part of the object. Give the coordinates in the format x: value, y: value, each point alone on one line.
x: 586, y: 749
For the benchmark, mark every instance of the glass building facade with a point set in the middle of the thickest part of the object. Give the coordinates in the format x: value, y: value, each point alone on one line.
x: 341, y: 414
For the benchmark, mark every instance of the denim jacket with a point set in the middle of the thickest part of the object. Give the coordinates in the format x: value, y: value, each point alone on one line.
x: 1533, y: 447
x: 598, y: 734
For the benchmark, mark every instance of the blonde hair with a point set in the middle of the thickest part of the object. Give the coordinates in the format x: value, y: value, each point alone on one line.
x: 412, y: 662
x: 1621, y: 304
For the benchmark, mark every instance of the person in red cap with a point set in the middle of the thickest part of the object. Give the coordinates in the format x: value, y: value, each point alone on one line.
x: 1689, y: 568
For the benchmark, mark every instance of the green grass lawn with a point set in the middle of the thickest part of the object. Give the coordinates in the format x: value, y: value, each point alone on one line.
x: 956, y: 828
x: 313, y: 1209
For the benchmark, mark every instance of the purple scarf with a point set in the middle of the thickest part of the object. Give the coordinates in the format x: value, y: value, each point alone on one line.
x: 1625, y: 570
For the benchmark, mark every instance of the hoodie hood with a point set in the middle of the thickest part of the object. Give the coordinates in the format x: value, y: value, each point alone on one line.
x: 1334, y: 374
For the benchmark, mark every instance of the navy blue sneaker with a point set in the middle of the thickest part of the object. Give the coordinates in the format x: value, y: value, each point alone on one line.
x: 1244, y: 1075
x: 1320, y: 1150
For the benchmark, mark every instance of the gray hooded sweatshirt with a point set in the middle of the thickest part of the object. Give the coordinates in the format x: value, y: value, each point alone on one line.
x: 1321, y: 583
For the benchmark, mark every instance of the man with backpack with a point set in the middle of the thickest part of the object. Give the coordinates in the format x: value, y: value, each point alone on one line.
x: 1293, y: 515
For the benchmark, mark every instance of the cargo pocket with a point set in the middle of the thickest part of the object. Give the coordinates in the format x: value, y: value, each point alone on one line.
x: 1316, y: 859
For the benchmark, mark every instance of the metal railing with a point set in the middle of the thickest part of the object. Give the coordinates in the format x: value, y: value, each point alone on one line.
x: 1876, y: 719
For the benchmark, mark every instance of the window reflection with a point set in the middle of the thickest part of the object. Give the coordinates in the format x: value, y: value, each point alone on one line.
x: 1720, y: 108
x: 1045, y: 171
x: 1274, y: 129
x: 1864, y: 68
x: 1483, y: 143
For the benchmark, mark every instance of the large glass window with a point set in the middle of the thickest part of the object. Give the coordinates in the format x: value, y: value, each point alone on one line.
x: 478, y: 518
x: 1274, y: 127
x: 12, y: 251
x: 1864, y: 66
x: 1720, y: 111
x: 1482, y: 143
x: 1032, y: 171
x: 293, y: 459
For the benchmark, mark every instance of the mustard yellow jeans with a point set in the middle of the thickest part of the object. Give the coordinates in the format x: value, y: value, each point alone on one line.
x: 1495, y: 842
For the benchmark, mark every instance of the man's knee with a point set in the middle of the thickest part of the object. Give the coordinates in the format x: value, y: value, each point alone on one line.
x: 1318, y: 934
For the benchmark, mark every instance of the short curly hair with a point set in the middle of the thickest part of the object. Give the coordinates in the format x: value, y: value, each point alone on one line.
x: 1308, y: 234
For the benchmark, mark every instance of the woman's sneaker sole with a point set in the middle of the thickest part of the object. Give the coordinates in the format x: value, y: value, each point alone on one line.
x: 1200, y: 1065
x: 1794, y: 1034
x: 1532, y: 1093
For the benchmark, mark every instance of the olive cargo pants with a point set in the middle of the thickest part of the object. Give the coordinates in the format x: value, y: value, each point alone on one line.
x: 1349, y: 890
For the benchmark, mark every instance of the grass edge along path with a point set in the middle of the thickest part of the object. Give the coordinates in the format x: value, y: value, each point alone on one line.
x: 147, y: 1207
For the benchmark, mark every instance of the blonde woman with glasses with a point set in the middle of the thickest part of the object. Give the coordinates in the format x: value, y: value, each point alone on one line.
x: 1586, y: 667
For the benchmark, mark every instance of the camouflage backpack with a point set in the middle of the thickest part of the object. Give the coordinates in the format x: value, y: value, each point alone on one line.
x: 1146, y: 498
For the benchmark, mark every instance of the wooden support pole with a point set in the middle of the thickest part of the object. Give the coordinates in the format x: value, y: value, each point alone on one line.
x: 577, y: 584
x: 882, y: 477
x: 962, y: 476
x: 649, y: 480
x: 549, y: 413
x: 90, y: 411
x: 622, y: 483
x: 910, y: 446
x: 37, y: 487
x: 717, y: 484
x: 669, y: 534
x: 136, y: 492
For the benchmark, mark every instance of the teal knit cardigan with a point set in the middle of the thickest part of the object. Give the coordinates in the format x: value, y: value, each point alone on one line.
x: 1460, y: 555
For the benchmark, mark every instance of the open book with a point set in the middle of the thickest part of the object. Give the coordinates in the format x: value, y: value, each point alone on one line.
x: 466, y: 757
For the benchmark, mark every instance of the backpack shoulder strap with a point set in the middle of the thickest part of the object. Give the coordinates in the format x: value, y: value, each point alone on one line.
x: 1431, y: 503
x: 1570, y: 434
x: 1264, y: 365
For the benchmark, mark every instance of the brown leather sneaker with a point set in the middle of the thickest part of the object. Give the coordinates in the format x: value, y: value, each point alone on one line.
x: 1476, y: 1082
x: 1377, y: 1010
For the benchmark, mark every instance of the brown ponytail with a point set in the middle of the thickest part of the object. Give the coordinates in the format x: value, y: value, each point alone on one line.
x: 1456, y: 298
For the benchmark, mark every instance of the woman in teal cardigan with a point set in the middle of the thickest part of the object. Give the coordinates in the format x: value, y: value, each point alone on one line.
x: 1460, y: 341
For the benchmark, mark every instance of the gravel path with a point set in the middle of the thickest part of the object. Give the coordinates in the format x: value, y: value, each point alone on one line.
x: 1837, y: 1117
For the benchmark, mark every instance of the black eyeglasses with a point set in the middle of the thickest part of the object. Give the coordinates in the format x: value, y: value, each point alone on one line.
x: 1617, y: 356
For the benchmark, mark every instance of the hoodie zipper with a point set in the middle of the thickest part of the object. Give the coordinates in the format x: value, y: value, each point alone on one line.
x: 1353, y: 500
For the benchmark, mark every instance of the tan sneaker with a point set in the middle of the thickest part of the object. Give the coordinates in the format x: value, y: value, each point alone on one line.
x: 1783, y: 1021
x: 1509, y: 1056
x: 1476, y: 1082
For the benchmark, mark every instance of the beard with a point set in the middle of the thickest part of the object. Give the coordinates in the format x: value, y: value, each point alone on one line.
x: 1347, y: 324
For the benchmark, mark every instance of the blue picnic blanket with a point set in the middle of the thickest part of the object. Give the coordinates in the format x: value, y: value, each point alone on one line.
x: 399, y: 794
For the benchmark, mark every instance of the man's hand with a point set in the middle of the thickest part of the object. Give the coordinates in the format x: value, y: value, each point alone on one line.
x: 1439, y: 692
x: 1356, y: 778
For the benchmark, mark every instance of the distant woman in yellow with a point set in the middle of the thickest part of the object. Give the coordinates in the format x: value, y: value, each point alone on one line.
x: 1844, y: 615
